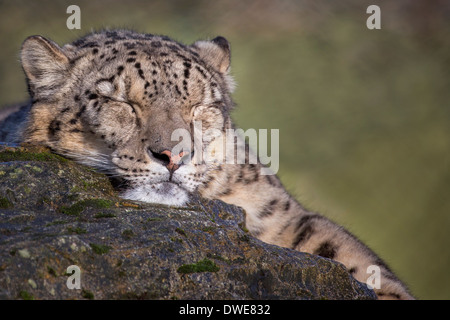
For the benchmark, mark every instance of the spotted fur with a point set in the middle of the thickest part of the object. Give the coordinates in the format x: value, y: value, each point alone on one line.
x: 112, y: 99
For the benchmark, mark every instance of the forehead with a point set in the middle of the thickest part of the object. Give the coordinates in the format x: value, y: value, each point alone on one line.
x: 155, y: 69
x: 148, y: 50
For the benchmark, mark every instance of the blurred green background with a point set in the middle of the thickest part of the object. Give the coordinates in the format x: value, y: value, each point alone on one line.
x: 364, y: 115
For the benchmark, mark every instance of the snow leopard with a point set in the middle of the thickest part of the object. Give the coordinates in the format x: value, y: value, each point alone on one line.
x: 133, y: 105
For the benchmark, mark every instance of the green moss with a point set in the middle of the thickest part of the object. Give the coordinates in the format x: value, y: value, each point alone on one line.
x: 77, y: 208
x: 209, y: 229
x: 244, y: 238
x: 18, y: 155
x: 90, y: 185
x: 243, y: 227
x: 43, y: 201
x: 56, y: 222
x: 99, y: 248
x: 176, y: 240
x: 76, y: 230
x: 73, y: 210
x: 52, y: 271
x: 87, y: 294
x: 5, y: 203
x: 25, y: 295
x: 219, y: 257
x: 99, y: 203
x: 26, y: 229
x: 104, y: 215
x: 181, y: 231
x: 73, y: 195
x: 204, y: 265
x: 128, y: 234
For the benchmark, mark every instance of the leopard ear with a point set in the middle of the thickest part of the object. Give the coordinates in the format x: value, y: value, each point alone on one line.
x: 216, y: 53
x: 44, y: 63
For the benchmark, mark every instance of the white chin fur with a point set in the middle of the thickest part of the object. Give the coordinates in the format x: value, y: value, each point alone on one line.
x: 163, y: 193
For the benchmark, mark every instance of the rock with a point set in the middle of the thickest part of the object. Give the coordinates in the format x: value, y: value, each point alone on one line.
x: 55, y: 213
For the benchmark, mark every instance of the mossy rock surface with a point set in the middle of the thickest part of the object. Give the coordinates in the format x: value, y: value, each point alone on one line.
x: 55, y: 213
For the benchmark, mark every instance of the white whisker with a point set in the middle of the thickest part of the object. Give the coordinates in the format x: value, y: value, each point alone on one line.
x: 101, y: 162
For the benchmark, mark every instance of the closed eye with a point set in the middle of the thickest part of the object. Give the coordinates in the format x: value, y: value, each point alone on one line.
x: 130, y: 104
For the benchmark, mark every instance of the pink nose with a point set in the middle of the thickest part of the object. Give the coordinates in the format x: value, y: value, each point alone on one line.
x: 174, y: 160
